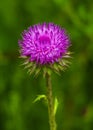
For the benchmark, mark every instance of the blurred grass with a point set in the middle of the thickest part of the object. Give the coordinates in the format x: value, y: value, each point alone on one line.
x: 74, y: 88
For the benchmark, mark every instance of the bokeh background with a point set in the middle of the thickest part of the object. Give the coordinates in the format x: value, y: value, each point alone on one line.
x: 74, y: 88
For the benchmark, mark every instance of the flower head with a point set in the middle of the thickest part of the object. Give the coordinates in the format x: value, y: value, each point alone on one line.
x: 44, y: 44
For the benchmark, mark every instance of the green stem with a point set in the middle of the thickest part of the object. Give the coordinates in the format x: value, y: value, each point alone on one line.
x: 52, y: 121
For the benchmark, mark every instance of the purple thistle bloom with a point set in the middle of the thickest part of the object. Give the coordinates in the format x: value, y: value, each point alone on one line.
x: 44, y: 43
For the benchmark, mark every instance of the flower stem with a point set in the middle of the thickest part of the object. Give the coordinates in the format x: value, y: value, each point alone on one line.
x: 52, y: 121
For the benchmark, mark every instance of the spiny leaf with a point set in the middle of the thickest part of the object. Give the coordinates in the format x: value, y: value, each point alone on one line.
x: 25, y: 63
x: 37, y: 71
x: 24, y: 57
x: 39, y: 97
x: 29, y: 65
x: 55, y: 105
x: 55, y: 68
x: 32, y: 69
x: 65, y: 63
x: 66, y: 56
x: 61, y: 68
x: 46, y: 69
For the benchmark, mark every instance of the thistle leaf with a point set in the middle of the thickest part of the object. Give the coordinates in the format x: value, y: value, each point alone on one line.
x: 55, y: 105
x: 39, y: 97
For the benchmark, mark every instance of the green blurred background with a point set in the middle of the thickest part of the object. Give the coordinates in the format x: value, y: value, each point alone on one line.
x: 74, y: 88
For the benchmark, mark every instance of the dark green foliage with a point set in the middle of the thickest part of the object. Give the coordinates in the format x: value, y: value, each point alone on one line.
x: 73, y: 88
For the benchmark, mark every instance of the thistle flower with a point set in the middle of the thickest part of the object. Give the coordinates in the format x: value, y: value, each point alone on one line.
x: 44, y: 46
